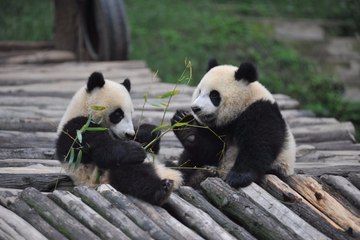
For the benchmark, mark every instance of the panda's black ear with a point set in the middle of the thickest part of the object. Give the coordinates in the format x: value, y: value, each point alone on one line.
x: 127, y: 84
x: 95, y: 80
x: 212, y: 63
x: 247, y: 72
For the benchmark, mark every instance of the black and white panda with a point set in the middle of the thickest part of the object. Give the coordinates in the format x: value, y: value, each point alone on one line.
x: 246, y: 137
x: 119, y: 160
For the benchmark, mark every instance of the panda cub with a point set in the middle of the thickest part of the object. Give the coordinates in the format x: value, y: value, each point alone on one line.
x: 245, y: 135
x: 119, y: 160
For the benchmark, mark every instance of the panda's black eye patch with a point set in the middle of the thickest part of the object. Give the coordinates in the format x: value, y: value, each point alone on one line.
x: 215, y: 97
x: 116, y: 116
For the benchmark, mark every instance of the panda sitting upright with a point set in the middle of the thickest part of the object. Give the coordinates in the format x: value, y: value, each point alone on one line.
x: 109, y: 156
x: 245, y: 135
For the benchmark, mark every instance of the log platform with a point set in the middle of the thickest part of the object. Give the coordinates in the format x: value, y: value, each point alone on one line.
x: 39, y: 201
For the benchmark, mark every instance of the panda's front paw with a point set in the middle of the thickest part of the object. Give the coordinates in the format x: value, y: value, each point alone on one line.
x: 236, y: 179
x: 135, y: 153
x: 145, y: 135
x: 181, y: 116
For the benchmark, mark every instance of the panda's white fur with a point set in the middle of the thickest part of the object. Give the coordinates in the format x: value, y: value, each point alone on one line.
x: 111, y: 96
x: 236, y: 97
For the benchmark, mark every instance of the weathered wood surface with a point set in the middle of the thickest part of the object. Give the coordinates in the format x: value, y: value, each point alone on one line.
x: 14, y: 227
x: 56, y: 216
x: 32, y: 101
x: 86, y: 215
x: 197, y: 219
x: 302, y: 207
x: 199, y: 201
x: 110, y: 213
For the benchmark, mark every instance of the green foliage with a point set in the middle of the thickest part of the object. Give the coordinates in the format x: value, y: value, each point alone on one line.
x: 26, y: 20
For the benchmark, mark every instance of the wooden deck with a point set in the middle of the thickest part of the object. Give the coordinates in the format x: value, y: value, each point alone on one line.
x: 321, y: 202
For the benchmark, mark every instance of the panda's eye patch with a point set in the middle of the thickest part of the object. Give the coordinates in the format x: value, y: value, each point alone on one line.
x: 116, y: 116
x: 215, y: 97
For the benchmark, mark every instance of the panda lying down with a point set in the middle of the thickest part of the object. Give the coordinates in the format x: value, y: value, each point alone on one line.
x: 119, y: 160
x: 246, y: 137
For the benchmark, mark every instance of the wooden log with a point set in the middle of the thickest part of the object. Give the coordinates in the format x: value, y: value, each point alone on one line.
x: 259, y: 222
x: 196, y: 199
x: 337, y: 145
x: 332, y: 168
x: 165, y: 221
x: 355, y: 179
x: 28, y: 153
x: 15, y: 139
x: 312, y: 191
x: 302, y: 207
x: 196, y: 219
x: 110, y: 212
x: 309, y: 121
x: 56, y: 216
x: 86, y: 215
x: 306, y: 153
x: 346, y: 188
x: 8, y: 196
x: 14, y: 227
x: 41, y: 178
x: 289, y: 114
x: 290, y: 221
x: 29, y: 162
x: 133, y: 212
x: 36, y: 101
x: 22, y: 209
x: 29, y: 124
x: 321, y: 133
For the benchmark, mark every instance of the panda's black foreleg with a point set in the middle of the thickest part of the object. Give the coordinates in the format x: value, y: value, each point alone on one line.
x: 141, y: 181
x: 98, y: 146
x: 202, y: 148
x: 147, y: 137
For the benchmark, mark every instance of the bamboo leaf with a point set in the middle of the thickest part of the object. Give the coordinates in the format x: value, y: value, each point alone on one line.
x: 98, y: 175
x: 180, y: 124
x: 78, y: 159
x: 97, y: 108
x: 96, y: 129
x: 145, y: 96
x: 158, y: 104
x: 79, y: 135
x: 169, y: 94
x: 160, y: 127
x: 86, y: 125
x: 71, y: 158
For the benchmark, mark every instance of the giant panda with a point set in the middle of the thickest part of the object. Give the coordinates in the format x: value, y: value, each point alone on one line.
x: 112, y: 156
x: 235, y: 127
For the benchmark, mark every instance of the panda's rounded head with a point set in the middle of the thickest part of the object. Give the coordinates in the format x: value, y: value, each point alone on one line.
x: 116, y: 107
x: 225, y: 91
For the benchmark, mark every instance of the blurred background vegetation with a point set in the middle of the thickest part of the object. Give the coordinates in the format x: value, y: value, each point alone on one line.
x: 167, y: 32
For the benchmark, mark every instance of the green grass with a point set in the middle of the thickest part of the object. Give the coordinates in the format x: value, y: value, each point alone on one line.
x: 26, y: 20
x: 166, y: 33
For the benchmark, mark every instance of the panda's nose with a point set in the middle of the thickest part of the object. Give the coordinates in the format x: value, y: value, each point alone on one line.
x: 195, y: 109
x: 130, y: 135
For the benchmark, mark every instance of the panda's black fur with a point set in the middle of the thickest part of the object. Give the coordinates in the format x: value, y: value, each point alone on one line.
x: 119, y: 160
x: 257, y: 131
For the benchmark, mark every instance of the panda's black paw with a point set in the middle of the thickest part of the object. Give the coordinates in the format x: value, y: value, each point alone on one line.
x: 161, y: 195
x: 145, y: 135
x: 134, y: 154
x: 243, y: 179
x: 181, y: 116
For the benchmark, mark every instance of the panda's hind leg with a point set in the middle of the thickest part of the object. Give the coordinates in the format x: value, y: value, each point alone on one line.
x: 141, y: 181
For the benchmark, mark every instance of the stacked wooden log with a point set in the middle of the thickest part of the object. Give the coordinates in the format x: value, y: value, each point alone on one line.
x: 38, y: 200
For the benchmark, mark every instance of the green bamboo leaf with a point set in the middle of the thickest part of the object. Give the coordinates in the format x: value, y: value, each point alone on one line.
x: 86, y: 125
x: 169, y: 94
x: 180, y: 124
x: 96, y: 129
x: 97, y: 108
x: 98, y: 175
x: 158, y: 104
x: 78, y: 159
x: 145, y: 96
x: 79, y: 135
x: 72, y: 156
x: 160, y: 127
